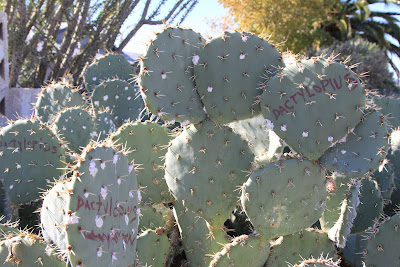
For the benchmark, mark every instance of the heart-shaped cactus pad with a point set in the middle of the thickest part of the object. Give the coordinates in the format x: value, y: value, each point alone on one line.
x: 312, y: 104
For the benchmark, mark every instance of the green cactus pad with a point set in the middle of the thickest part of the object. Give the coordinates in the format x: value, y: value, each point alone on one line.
x: 353, y: 252
x: 296, y: 247
x: 370, y: 208
x: 167, y: 77
x: 153, y: 216
x: 312, y: 104
x: 231, y: 75
x: 74, y: 127
x: 27, y: 250
x: 52, y: 215
x: 200, y: 240
x: 318, y: 262
x: 389, y: 107
x: 363, y: 150
x: 152, y: 249
x: 205, y: 164
x: 244, y: 250
x: 54, y: 98
x: 264, y: 143
x: 384, y: 176
x: 31, y: 158
x: 147, y: 143
x: 383, y: 247
x: 117, y: 96
x: 102, y: 210
x: 110, y: 66
x: 104, y: 125
x: 284, y: 197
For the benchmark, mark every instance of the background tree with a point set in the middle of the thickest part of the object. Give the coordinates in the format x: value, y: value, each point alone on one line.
x: 90, y: 25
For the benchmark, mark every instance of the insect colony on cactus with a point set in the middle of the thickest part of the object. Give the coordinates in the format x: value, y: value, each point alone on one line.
x: 277, y: 162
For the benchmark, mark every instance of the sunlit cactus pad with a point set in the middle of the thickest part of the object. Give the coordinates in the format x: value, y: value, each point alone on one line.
x: 110, y: 66
x: 232, y: 71
x: 312, y: 104
x: 167, y: 77
x: 102, y: 211
x: 31, y: 158
x: 54, y: 98
x: 205, y: 164
x: 284, y: 197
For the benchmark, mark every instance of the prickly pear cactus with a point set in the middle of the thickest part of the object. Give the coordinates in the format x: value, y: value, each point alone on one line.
x: 26, y: 250
x: 232, y: 71
x: 389, y: 107
x: 313, y: 104
x: 102, y: 209
x: 382, y: 249
x: 110, y: 66
x: 152, y: 248
x: 296, y: 247
x: 31, y: 158
x: 318, y: 262
x: 284, y: 197
x: 104, y: 125
x: 167, y: 76
x: 364, y: 150
x: 74, y: 127
x: 117, y: 96
x: 153, y: 216
x: 204, y: 166
x: 54, y: 98
x: 147, y: 143
x: 385, y: 178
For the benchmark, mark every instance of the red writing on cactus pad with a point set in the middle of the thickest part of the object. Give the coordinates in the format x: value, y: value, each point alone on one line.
x: 26, y: 144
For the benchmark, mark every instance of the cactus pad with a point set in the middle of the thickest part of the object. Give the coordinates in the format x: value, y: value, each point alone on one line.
x: 152, y: 249
x: 313, y: 104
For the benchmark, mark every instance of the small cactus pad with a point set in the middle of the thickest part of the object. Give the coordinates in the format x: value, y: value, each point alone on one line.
x: 313, y: 104
x: 383, y: 247
x: 384, y: 176
x: 108, y: 67
x: 389, y: 107
x: 147, y: 143
x: 153, y: 216
x: 152, y: 249
x: 102, y: 213
x: 284, y: 197
x: 204, y: 166
x: 54, y: 98
x: 74, y: 127
x: 27, y: 250
x: 167, y: 77
x: 294, y: 248
x: 370, y: 208
x: 31, y: 158
x: 353, y: 252
x: 117, y: 96
x: 264, y: 143
x: 244, y: 250
x: 364, y: 149
x: 232, y: 72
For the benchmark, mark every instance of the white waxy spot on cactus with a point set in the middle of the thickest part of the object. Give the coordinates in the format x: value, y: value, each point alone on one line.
x: 185, y: 122
x: 350, y: 86
x: 18, y: 166
x: 343, y: 151
x: 124, y: 244
x: 209, y: 89
x: 102, y: 165
x: 93, y: 134
x: 126, y: 88
x: 330, y: 138
x: 163, y: 76
x: 83, y: 127
x: 133, y: 231
x: 283, y: 128
x: 242, y: 56
x: 301, y: 68
x: 115, y: 158
x: 269, y: 125
x: 129, y: 98
x: 103, y: 192
x: 126, y: 219
x: 130, y: 194
x: 205, y: 111
x: 305, y: 134
x: 96, y: 103
x: 71, y: 218
x: 107, y: 108
x: 86, y: 194
x: 64, y: 128
x: 139, y: 195
x: 113, y: 257
x: 11, y: 186
x: 72, y: 130
x: 16, y: 150
x: 99, y: 221
x: 92, y: 168
x: 99, y: 252
x: 105, y: 97
x: 119, y: 181
x: 244, y: 38
x: 116, y: 96
x: 47, y: 181
x: 94, y: 79
x: 130, y: 168
x: 138, y: 211
x: 195, y: 59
